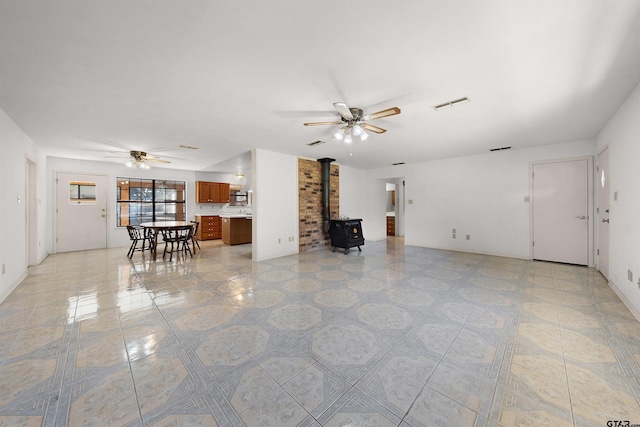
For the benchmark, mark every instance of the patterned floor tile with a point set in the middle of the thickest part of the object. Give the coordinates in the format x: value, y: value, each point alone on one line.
x: 392, y: 335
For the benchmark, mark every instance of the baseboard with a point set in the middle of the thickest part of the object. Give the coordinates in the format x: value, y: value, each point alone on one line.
x: 12, y: 288
x: 46, y: 254
x: 501, y: 255
x: 625, y: 301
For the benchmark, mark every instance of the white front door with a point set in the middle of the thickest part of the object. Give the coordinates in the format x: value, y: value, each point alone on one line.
x: 603, y: 212
x: 81, y: 212
x: 560, y: 212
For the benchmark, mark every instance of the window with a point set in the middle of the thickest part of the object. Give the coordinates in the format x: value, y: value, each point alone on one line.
x: 145, y: 200
x: 82, y: 193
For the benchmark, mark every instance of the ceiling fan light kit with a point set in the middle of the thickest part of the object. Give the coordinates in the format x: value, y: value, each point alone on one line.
x: 139, y: 159
x: 354, y: 122
x: 137, y: 164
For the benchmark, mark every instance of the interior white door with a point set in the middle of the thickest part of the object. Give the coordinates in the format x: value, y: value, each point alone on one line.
x: 560, y: 212
x: 603, y: 212
x: 81, y: 212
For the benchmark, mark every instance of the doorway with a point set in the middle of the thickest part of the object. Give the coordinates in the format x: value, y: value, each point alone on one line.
x: 391, y: 209
x: 603, y: 212
x: 394, y: 202
x: 81, y: 212
x: 561, y: 211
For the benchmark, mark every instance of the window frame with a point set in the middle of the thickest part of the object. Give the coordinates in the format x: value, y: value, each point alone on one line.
x: 149, y: 203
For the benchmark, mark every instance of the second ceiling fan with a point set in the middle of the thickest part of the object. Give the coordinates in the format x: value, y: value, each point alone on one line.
x: 355, y: 122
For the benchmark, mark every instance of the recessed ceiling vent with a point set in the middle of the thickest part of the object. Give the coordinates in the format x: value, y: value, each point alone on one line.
x: 397, y: 164
x: 451, y: 103
x: 314, y: 143
x: 188, y: 147
x: 500, y: 149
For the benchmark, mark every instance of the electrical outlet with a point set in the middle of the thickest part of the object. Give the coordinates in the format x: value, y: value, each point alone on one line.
x: 526, y: 199
x: 279, y: 240
x: 630, y: 275
x: 468, y: 236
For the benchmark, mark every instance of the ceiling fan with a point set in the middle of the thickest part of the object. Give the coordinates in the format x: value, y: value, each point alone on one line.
x: 139, y: 159
x: 355, y: 122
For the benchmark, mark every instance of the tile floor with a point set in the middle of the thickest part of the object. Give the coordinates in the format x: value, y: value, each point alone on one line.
x: 393, y: 335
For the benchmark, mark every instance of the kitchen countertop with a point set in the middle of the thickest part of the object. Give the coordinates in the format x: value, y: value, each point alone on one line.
x: 247, y: 216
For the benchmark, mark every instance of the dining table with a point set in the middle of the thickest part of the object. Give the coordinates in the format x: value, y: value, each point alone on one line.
x: 157, y: 226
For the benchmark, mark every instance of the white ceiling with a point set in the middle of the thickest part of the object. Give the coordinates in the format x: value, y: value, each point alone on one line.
x: 86, y: 78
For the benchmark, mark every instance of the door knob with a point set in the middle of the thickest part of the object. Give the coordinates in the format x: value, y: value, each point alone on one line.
x: 605, y: 220
x: 581, y: 217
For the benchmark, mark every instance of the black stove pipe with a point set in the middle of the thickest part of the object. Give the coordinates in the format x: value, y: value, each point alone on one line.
x: 326, y: 190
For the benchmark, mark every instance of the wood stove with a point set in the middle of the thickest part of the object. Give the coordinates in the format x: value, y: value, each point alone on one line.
x: 346, y: 233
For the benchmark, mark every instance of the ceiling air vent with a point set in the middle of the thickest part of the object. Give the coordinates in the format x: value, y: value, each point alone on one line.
x: 396, y: 164
x: 314, y: 143
x: 500, y: 149
x: 188, y: 147
x: 451, y: 103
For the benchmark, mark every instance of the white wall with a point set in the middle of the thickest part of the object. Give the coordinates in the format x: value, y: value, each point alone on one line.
x: 117, y: 236
x: 622, y: 136
x: 275, y: 204
x: 352, y: 196
x: 15, y: 148
x: 481, y: 195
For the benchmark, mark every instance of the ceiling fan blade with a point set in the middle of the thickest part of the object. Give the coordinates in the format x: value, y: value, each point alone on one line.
x: 147, y: 159
x: 372, y: 128
x: 343, y: 110
x: 322, y: 123
x: 384, y: 113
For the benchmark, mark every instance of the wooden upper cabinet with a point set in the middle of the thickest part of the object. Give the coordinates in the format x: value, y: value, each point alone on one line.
x: 212, y: 192
x: 203, y: 192
x: 224, y: 192
x: 215, y: 192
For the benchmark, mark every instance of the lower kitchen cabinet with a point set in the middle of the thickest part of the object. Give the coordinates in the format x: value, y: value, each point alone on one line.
x: 236, y: 231
x: 210, y: 227
x: 391, y: 226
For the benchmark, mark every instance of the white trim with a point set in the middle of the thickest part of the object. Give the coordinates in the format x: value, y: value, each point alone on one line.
x: 624, y: 300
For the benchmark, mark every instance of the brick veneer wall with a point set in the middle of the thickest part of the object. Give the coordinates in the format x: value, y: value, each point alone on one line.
x: 312, y: 236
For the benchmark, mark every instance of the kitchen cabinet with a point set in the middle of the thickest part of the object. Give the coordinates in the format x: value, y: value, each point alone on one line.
x: 212, y: 192
x: 236, y: 230
x: 391, y: 226
x: 210, y: 227
x: 224, y: 192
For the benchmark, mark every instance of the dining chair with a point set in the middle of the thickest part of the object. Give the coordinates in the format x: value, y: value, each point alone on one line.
x: 195, y: 232
x: 176, y: 240
x: 137, y: 234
